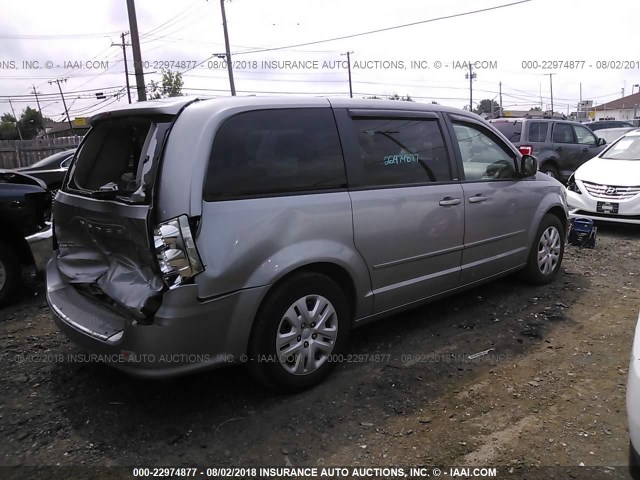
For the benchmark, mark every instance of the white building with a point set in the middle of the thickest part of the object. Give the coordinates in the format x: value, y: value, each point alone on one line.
x: 625, y: 108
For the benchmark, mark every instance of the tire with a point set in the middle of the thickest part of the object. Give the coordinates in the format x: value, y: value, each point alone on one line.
x: 9, y: 272
x: 289, y: 349
x: 550, y: 170
x: 546, y: 252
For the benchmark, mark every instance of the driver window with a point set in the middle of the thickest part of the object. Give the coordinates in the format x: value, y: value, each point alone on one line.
x: 482, y: 157
x: 584, y: 136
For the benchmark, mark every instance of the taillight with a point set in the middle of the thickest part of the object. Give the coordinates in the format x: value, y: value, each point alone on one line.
x: 176, y: 251
x: 526, y: 149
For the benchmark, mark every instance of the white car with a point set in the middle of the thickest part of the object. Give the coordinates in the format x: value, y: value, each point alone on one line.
x: 607, y: 187
x: 633, y: 406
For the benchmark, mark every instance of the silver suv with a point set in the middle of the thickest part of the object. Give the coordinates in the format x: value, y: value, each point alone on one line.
x: 197, y: 233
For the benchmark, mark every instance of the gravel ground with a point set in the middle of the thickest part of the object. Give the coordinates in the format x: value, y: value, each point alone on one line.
x: 544, y: 387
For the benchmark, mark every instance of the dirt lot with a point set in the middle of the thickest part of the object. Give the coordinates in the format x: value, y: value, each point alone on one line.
x: 550, y: 392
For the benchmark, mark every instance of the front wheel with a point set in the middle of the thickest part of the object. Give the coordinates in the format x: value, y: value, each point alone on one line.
x: 299, y: 333
x: 546, y: 253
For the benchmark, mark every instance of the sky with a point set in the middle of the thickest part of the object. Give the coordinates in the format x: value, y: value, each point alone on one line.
x: 586, y: 49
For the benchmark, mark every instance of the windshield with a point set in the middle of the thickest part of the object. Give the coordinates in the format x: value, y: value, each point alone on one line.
x: 627, y: 148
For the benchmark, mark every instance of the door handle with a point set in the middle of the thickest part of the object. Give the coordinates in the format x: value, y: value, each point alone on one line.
x: 477, y: 198
x: 447, y: 201
x: 559, y: 149
x: 585, y: 149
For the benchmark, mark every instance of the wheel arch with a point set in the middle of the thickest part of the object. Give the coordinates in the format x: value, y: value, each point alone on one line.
x: 332, y: 270
x: 560, y: 213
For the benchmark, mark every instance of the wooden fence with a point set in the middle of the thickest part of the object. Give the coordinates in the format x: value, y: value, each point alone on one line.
x: 22, y: 153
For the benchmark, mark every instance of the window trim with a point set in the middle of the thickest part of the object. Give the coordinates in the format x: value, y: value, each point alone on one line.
x: 384, y: 113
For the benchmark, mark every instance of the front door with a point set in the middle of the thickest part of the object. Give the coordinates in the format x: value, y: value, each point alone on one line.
x: 498, y: 205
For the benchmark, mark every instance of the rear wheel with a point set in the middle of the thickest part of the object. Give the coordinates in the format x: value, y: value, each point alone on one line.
x: 546, y: 253
x: 9, y: 272
x: 299, y: 331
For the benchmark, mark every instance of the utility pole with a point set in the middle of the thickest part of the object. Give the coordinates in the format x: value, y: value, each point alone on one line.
x: 551, y: 89
x: 500, y: 112
x: 232, y: 84
x: 348, y: 54
x: 66, y: 111
x: 137, y: 57
x: 35, y: 92
x: 124, y: 56
x: 470, y: 76
x: 580, y: 104
x: 540, y: 90
x: 14, y: 116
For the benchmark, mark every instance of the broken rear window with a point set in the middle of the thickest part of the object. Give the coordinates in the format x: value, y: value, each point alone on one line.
x: 109, y: 160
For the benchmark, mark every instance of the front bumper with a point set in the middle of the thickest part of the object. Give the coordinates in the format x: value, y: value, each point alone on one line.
x: 185, y: 335
x: 585, y: 206
x: 633, y: 392
x: 41, y: 246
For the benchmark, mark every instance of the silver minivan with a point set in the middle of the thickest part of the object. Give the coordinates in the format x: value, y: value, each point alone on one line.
x: 193, y: 233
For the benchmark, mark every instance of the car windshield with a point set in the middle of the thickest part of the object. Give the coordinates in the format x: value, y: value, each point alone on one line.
x: 627, y: 148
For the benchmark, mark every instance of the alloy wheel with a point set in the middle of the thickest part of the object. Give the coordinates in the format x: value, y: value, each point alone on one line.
x: 549, y: 250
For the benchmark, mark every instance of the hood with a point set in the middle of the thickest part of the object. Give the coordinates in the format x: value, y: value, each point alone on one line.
x: 610, y: 172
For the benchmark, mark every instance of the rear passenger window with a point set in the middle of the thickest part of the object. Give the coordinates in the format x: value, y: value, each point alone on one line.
x: 401, y: 151
x: 267, y: 152
x: 563, y: 133
x: 538, y: 131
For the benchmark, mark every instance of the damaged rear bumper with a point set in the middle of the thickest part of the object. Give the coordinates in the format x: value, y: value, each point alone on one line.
x: 185, y: 335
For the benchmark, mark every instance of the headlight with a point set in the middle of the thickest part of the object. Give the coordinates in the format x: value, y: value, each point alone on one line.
x: 572, y: 186
x: 176, y: 251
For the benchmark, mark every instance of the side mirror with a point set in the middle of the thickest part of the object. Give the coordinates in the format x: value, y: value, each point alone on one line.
x: 601, y: 141
x: 528, y: 166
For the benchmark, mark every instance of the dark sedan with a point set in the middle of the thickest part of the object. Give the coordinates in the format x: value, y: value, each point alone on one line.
x: 51, y: 170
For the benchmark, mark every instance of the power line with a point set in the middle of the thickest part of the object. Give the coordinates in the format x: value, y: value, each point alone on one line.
x: 57, y: 36
x: 386, y: 29
x: 68, y: 93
